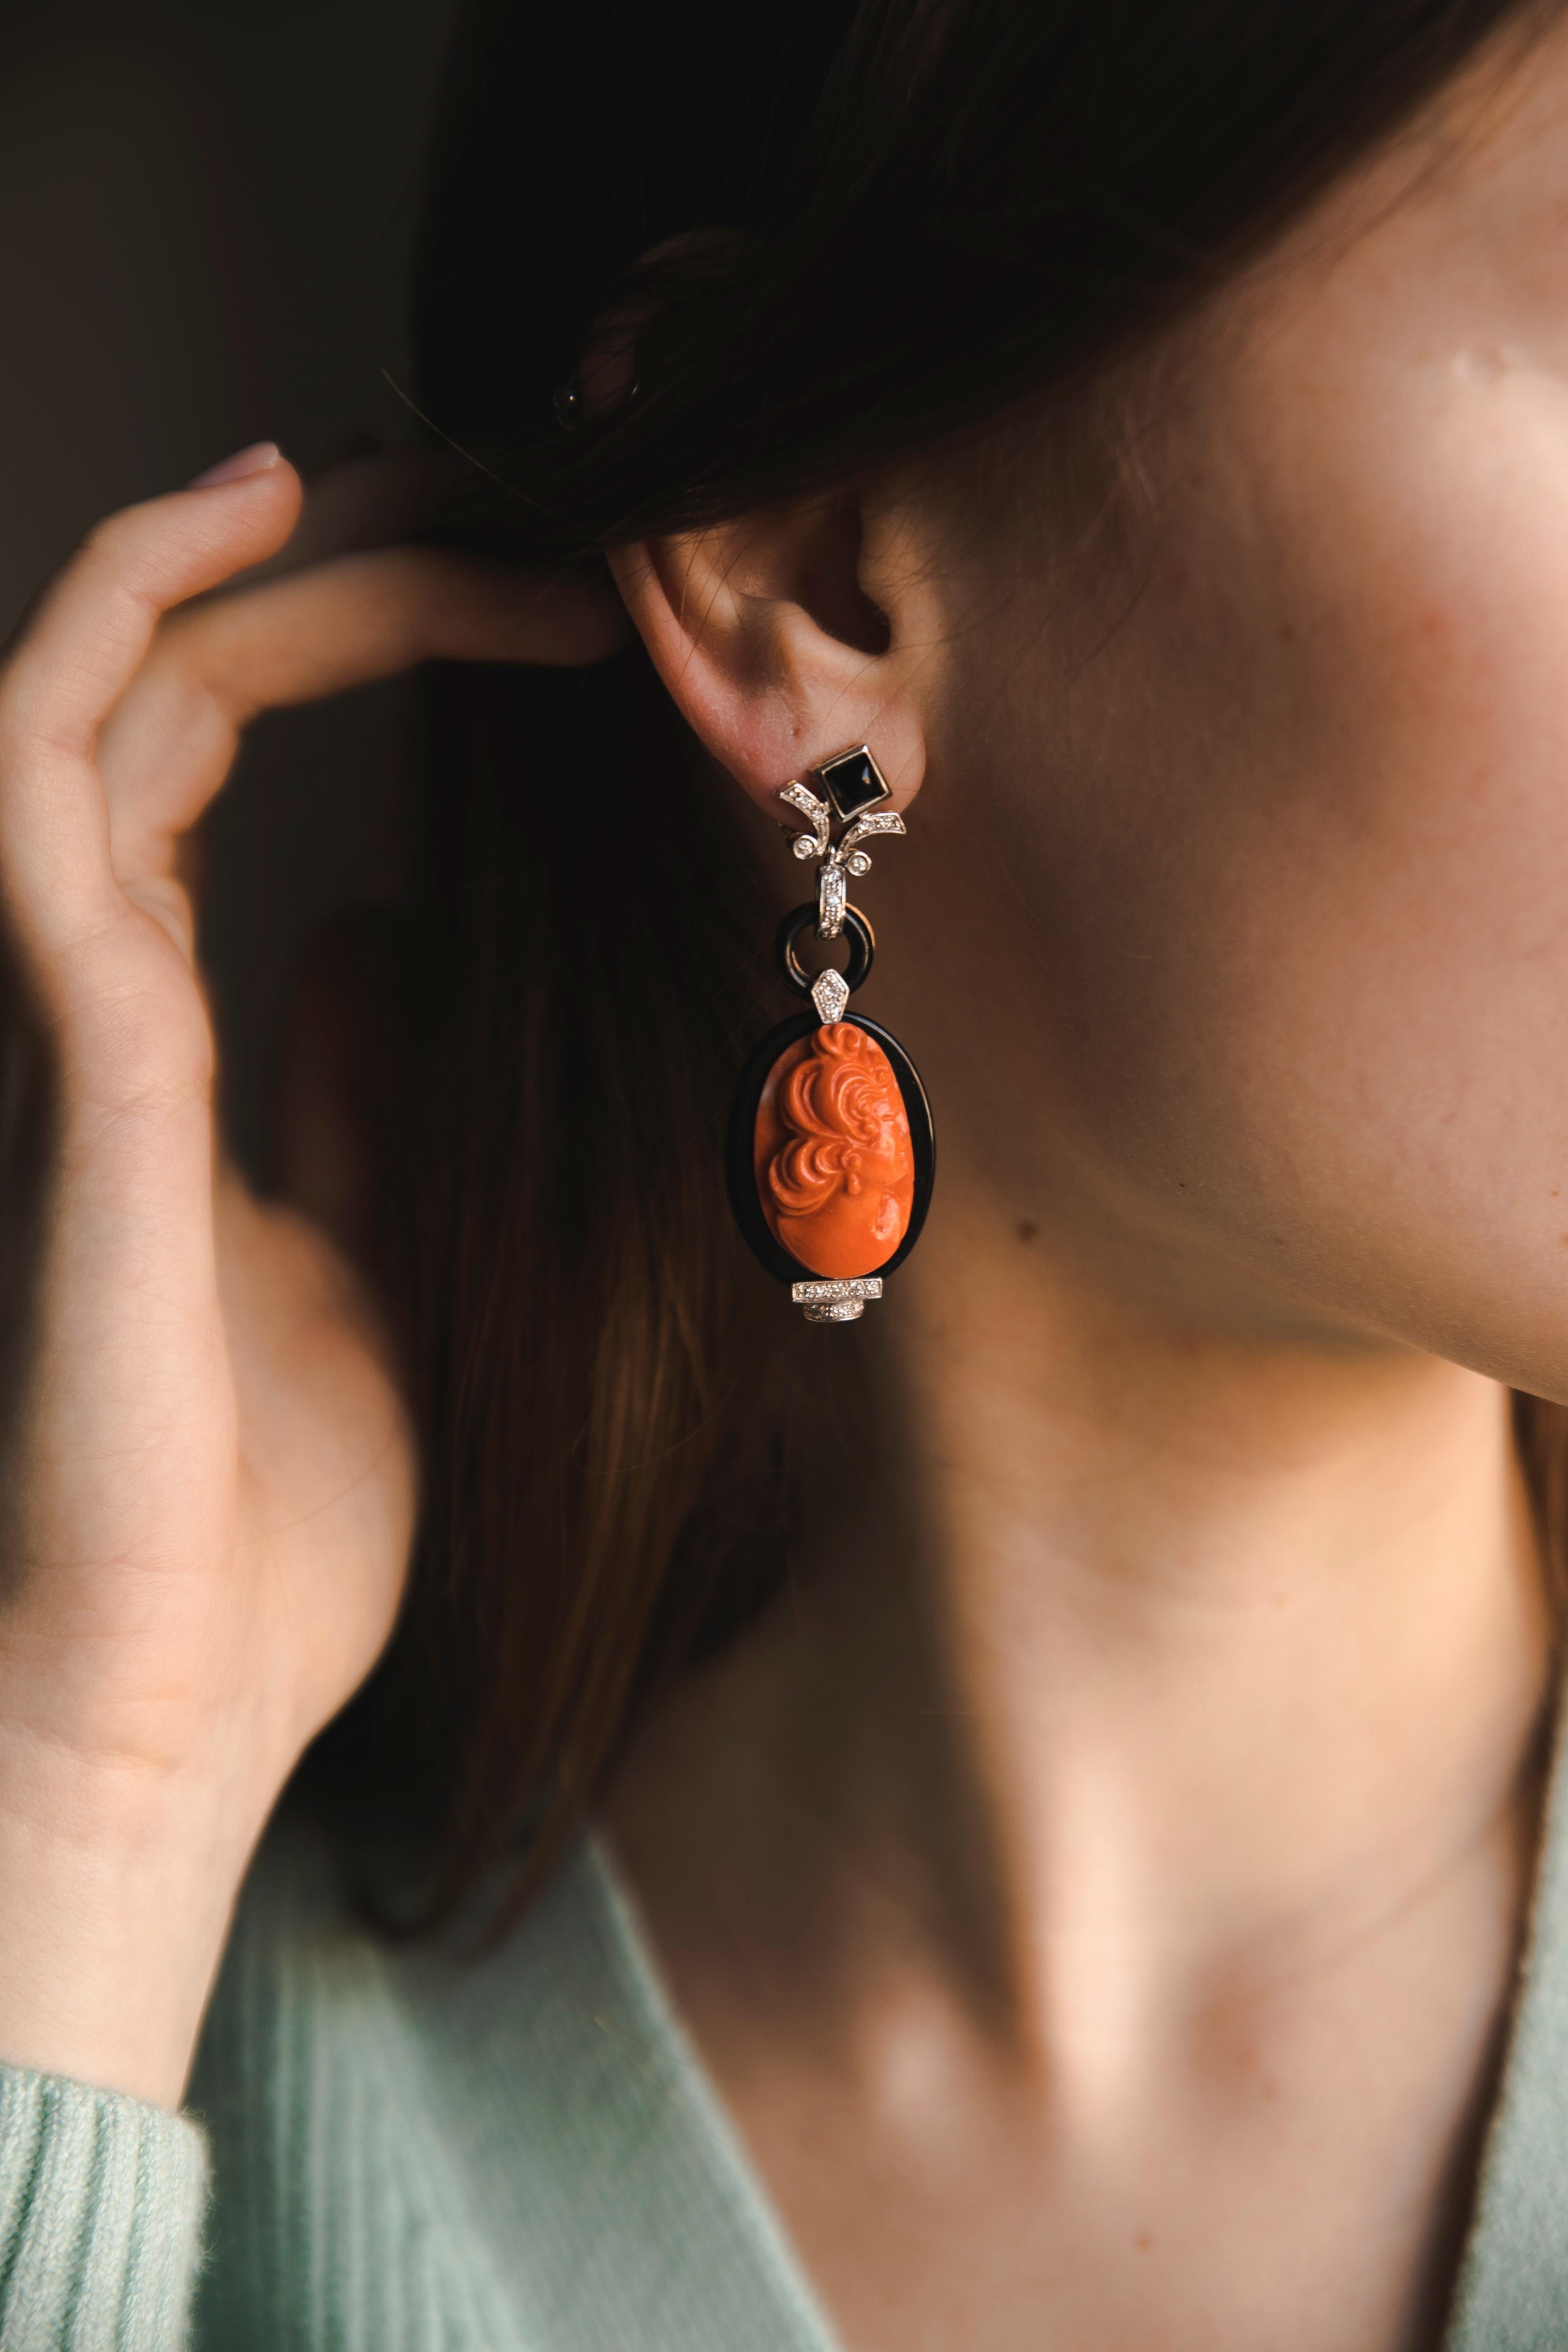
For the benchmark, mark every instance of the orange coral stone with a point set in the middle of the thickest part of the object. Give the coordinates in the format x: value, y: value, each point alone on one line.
x: 835, y: 1168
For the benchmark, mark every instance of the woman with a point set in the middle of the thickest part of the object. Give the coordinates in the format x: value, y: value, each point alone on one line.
x: 1015, y: 1821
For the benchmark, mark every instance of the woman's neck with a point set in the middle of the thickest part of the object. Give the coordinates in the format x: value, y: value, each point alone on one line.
x: 1122, y: 1820
x: 1137, y: 1661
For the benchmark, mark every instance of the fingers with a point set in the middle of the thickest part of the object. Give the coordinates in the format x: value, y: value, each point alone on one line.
x: 216, y: 665
x: 368, y: 616
x: 84, y: 643
x: 93, y: 626
x: 373, y: 499
x: 120, y: 715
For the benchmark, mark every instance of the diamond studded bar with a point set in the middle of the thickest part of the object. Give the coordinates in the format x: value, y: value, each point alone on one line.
x: 864, y: 828
x: 816, y: 813
x: 821, y: 1295
x: 832, y: 897
x: 836, y: 1302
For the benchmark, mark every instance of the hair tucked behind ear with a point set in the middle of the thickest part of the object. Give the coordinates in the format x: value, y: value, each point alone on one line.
x: 931, y: 210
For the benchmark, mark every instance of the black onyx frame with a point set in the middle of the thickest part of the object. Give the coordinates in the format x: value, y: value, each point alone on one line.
x: 741, y: 1149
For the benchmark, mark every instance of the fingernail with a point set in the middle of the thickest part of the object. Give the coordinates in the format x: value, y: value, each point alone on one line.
x: 259, y: 459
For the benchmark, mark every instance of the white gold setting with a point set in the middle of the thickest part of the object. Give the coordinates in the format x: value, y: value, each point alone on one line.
x: 830, y: 994
x: 817, y: 814
x: 840, y: 859
x: 836, y: 1302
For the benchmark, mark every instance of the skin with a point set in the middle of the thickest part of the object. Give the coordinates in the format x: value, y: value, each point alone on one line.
x: 1096, y: 1892
x: 213, y: 1488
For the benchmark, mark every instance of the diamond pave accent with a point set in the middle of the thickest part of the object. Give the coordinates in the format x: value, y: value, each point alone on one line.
x: 830, y: 994
x: 884, y: 821
x: 817, y: 814
x: 835, y: 1302
x: 852, y: 780
x: 832, y: 898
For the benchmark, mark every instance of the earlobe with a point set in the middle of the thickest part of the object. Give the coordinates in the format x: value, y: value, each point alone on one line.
x: 775, y: 655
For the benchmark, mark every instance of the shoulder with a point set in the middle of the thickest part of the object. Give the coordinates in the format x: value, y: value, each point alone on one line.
x: 504, y: 2148
x: 335, y: 2217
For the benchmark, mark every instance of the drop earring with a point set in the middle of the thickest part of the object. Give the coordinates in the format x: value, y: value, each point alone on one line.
x: 831, y: 1151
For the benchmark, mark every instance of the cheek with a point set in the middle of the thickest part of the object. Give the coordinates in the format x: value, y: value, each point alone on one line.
x: 1307, y: 870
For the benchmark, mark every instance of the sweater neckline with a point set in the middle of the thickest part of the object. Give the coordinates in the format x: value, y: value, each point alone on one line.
x: 698, y: 2120
x: 1512, y: 2293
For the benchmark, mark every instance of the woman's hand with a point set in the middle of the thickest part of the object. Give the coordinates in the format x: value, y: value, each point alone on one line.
x: 209, y: 1484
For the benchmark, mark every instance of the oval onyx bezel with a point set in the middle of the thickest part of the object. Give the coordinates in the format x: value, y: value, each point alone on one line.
x: 741, y: 1149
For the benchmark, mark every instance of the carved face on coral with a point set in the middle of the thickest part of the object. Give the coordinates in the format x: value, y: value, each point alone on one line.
x: 835, y: 1168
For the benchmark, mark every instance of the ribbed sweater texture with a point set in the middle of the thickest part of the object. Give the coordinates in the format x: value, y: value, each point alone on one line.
x: 396, y: 2150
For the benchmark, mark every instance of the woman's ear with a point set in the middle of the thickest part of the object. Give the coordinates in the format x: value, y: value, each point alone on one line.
x: 783, y: 639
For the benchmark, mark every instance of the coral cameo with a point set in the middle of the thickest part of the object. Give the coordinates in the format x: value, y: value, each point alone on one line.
x: 834, y: 1163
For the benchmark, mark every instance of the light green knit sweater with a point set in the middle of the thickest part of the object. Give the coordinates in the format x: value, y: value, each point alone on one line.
x: 408, y: 2153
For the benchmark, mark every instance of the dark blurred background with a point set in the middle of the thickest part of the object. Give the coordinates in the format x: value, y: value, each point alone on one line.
x: 205, y: 213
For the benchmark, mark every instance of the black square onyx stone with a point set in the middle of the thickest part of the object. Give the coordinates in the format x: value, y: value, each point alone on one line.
x: 853, y: 782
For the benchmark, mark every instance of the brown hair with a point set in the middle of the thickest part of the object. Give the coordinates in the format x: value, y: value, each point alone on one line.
x: 919, y: 212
